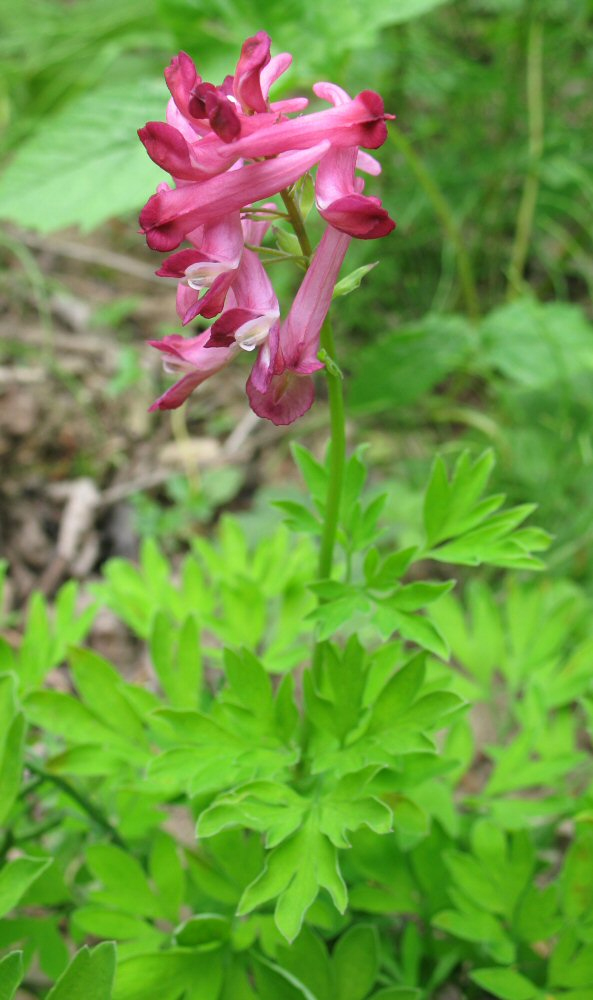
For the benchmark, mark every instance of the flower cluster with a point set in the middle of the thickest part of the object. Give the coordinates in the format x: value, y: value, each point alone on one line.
x: 228, y: 148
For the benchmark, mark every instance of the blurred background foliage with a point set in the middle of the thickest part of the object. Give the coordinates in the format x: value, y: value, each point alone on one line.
x: 476, y: 327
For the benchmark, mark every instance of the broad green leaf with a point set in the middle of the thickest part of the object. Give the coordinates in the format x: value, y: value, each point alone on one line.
x: 177, y: 659
x: 67, y: 717
x: 11, y: 764
x: 397, y: 993
x: 350, y: 805
x: 168, y: 974
x: 125, y: 884
x: 537, y: 917
x: 576, y: 883
x: 307, y: 960
x: 505, y: 983
x: 409, y: 817
x: 479, y: 927
x: 11, y: 973
x: 167, y: 874
x: 100, y: 687
x: 313, y: 472
x: 295, y: 872
x: 16, y: 877
x: 405, y: 364
x: 399, y: 693
x: 89, y: 149
x: 106, y: 923
x: 418, y: 629
x: 204, y: 928
x: 298, y: 517
x: 89, y: 975
x: 249, y: 683
x: 8, y: 704
x: 355, y: 961
x: 538, y: 345
x: 269, y: 807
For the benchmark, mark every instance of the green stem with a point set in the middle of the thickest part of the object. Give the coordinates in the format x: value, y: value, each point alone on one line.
x: 535, y: 122
x: 80, y: 798
x: 337, y: 457
x: 337, y: 420
x: 446, y: 218
x: 297, y: 222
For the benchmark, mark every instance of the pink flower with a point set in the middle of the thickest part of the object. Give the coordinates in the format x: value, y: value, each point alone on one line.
x: 280, y: 387
x: 355, y: 122
x: 171, y: 214
x: 210, y: 267
x: 228, y: 147
x: 338, y: 190
x: 251, y: 312
x: 247, y: 84
x: 190, y: 356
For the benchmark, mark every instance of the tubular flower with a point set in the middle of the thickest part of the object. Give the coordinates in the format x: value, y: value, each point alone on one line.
x: 338, y: 190
x: 280, y: 386
x: 251, y: 312
x: 209, y: 267
x: 227, y: 148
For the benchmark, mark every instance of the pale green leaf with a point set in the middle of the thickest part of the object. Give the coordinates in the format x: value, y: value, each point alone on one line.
x: 505, y: 983
x: 85, y: 164
x: 11, y: 972
x: 16, y: 877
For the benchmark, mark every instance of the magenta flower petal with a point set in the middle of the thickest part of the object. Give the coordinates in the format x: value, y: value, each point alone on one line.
x: 189, y: 356
x: 182, y: 77
x: 169, y: 215
x: 280, y: 387
x: 212, y: 103
x: 359, y: 216
x: 337, y: 193
x: 300, y: 332
x: 168, y: 149
x: 255, y: 55
x: 273, y: 70
x: 287, y: 398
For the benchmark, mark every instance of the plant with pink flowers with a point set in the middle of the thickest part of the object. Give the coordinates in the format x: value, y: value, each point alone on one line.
x: 228, y: 149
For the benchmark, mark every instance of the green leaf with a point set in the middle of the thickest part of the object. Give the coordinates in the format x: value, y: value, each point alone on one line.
x: 537, y: 917
x: 406, y: 363
x: 67, y: 717
x: 266, y: 806
x: 505, y: 983
x: 16, y: 877
x: 205, y: 928
x: 89, y: 149
x: 356, y: 962
x: 126, y: 885
x: 106, y: 923
x: 479, y: 927
x: 538, y: 345
x: 11, y: 973
x: 353, y: 280
x: 168, y: 974
x: 249, y: 684
x: 313, y: 472
x: 167, y: 874
x: 298, y: 517
x: 450, y: 505
x: 576, y: 883
x: 101, y: 688
x: 295, y: 871
x: 11, y: 764
x: 307, y: 960
x: 397, y: 993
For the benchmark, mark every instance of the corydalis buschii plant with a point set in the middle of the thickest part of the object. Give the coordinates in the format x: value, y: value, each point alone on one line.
x: 228, y: 148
